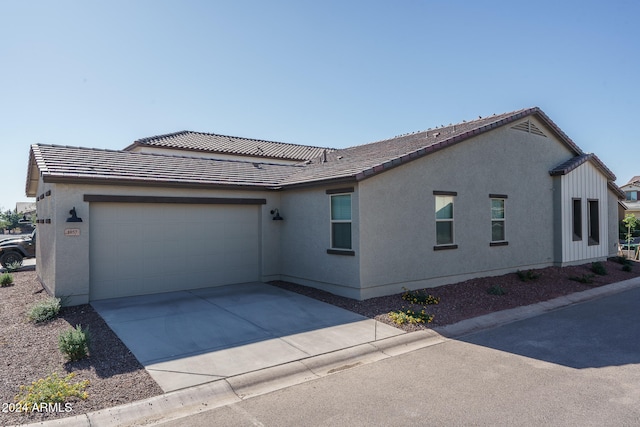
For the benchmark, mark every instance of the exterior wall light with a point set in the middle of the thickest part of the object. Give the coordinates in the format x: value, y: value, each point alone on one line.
x: 74, y: 216
x: 276, y: 215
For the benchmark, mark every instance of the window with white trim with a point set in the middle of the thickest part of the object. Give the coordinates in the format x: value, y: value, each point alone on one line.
x: 341, y: 221
x: 444, y: 220
x: 497, y: 220
x: 594, y: 222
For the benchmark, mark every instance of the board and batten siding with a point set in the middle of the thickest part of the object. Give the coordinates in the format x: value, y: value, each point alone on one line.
x: 584, y: 183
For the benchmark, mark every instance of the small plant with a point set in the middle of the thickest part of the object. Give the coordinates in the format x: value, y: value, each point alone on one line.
x: 626, y: 267
x: 407, y: 315
x: 50, y: 390
x: 585, y: 278
x: 44, y: 310
x: 74, y: 343
x: 13, y: 266
x: 419, y: 297
x: 6, y: 280
x: 496, y: 290
x: 528, y: 275
x: 598, y: 268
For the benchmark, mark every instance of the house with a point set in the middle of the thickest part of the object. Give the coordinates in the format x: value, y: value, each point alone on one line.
x: 188, y: 210
x: 632, y: 190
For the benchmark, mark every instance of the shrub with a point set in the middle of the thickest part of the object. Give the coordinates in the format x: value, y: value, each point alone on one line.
x: 626, y: 267
x: 598, y: 268
x: 74, y: 343
x: 44, y: 310
x: 528, y: 275
x: 621, y: 259
x: 52, y: 389
x: 406, y: 315
x: 6, y: 280
x: 14, y: 266
x: 419, y: 297
x: 496, y: 290
x: 585, y: 278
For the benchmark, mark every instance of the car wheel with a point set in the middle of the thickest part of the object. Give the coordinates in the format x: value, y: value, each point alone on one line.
x: 10, y: 258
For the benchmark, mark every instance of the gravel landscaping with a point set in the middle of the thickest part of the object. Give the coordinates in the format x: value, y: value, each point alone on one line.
x: 30, y: 351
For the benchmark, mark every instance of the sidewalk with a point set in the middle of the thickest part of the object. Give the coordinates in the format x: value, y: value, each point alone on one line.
x: 177, y: 404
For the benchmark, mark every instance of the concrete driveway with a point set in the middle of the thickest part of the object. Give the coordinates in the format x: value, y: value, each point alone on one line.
x: 193, y: 337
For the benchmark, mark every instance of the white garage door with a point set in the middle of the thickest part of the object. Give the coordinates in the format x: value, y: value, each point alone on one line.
x: 145, y: 248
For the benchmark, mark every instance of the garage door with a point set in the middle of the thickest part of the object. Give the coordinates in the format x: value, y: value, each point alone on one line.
x: 144, y: 248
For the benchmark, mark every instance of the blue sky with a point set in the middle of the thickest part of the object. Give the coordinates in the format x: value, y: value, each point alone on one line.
x: 328, y: 73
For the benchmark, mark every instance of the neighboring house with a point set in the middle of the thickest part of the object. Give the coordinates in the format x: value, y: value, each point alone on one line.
x: 632, y: 191
x: 486, y: 197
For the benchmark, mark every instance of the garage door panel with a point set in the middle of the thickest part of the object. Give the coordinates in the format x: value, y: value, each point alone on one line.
x: 139, y: 249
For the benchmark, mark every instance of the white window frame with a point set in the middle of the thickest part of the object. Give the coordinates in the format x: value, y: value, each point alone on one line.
x: 503, y: 220
x: 340, y: 221
x: 448, y: 195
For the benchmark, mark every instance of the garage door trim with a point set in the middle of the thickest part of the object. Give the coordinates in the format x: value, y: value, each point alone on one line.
x: 181, y: 200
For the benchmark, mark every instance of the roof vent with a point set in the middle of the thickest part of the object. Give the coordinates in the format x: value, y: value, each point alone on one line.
x: 529, y: 127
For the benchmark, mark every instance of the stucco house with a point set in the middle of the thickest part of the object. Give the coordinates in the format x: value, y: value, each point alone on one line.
x: 188, y: 210
x: 632, y: 190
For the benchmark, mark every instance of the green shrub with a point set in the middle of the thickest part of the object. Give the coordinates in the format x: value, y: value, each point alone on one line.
x: 44, y: 310
x: 419, y: 297
x: 626, y: 267
x: 14, y: 266
x: 528, y: 275
x: 496, y: 290
x: 598, y: 268
x: 6, y: 280
x: 50, y: 390
x: 621, y: 259
x: 406, y: 315
x: 74, y: 343
x: 585, y: 278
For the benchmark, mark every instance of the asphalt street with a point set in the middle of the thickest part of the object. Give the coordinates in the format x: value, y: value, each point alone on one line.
x: 578, y: 366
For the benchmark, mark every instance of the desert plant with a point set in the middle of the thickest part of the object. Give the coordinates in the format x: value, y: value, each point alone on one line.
x: 496, y: 290
x: 6, y: 280
x: 598, y: 268
x: 50, y: 390
x: 74, y: 343
x: 44, y: 310
x: 13, y: 266
x: 528, y: 275
x: 419, y: 297
x: 406, y: 315
x: 585, y: 278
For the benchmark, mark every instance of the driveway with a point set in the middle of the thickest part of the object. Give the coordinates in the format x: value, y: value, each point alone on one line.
x: 193, y: 337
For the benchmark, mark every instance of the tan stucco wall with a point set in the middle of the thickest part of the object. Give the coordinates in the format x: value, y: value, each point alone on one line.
x: 397, y: 210
x: 306, y: 237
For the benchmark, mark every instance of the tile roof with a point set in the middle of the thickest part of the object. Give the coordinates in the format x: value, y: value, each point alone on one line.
x: 76, y: 164
x: 209, y: 142
x: 58, y: 163
x: 634, y: 180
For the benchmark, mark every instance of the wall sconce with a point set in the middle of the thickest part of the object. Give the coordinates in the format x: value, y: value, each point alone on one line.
x: 276, y: 215
x: 74, y: 216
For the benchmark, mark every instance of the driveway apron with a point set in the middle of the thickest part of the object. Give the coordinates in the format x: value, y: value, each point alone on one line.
x: 192, y: 337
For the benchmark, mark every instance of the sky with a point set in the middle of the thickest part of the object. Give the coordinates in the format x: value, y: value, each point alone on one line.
x: 331, y: 73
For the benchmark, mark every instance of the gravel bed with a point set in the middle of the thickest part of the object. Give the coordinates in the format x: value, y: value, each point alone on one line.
x: 29, y: 351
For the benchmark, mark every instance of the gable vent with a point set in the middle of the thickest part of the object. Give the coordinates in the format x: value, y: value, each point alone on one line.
x: 529, y: 127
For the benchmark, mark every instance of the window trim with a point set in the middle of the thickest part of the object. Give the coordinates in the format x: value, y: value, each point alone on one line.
x: 503, y: 220
x: 452, y: 244
x: 577, y: 237
x: 593, y: 241
x: 332, y: 249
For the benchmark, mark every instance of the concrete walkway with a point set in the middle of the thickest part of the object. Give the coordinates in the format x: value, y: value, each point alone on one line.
x: 217, y: 393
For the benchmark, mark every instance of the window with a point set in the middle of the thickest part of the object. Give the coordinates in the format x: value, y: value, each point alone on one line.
x: 444, y: 220
x: 632, y: 196
x: 497, y: 220
x: 341, y: 221
x: 577, y: 219
x: 594, y: 223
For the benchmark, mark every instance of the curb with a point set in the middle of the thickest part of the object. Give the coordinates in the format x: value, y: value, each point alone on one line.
x: 180, y: 403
